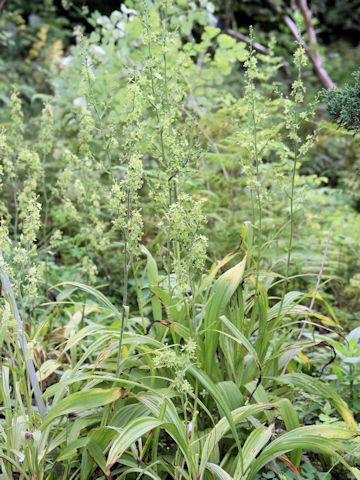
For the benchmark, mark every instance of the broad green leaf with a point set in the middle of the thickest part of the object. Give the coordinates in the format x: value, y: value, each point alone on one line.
x: 58, y: 388
x: 97, y: 454
x: 80, y: 402
x: 237, y: 336
x: 126, y: 437
x: 264, y: 333
x: 290, y: 306
x: 208, y: 279
x: 95, y: 293
x: 223, y: 427
x: 315, y: 438
x: 79, y: 425
x: 291, y: 420
x: 97, y: 330
x: 255, y: 442
x: 285, y: 306
x: 218, y: 397
x: 231, y: 393
x: 218, y: 472
x: 72, y: 449
x: 173, y: 424
x: 225, y: 41
x: 210, y: 32
x: 221, y: 293
x: 260, y: 395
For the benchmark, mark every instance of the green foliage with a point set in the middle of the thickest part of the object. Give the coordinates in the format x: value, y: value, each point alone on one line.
x: 32, y: 41
x: 165, y: 145
x: 344, y: 105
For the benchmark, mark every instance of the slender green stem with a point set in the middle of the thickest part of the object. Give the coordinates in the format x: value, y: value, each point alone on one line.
x: 258, y: 194
x: 125, y: 308
x: 291, y: 207
x: 46, y: 221
x: 16, y: 214
x: 292, y: 195
x: 256, y: 164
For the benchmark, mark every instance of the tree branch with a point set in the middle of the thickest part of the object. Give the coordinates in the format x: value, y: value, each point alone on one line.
x: 312, y: 49
x: 257, y: 46
x: 227, y: 14
x: 244, y: 38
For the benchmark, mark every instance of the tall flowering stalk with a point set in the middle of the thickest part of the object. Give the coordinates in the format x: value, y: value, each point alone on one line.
x: 20, y: 177
x: 295, y: 116
x: 20, y: 173
x: 293, y: 123
x: 45, y: 147
x: 124, y: 199
x: 182, y: 220
x: 255, y: 157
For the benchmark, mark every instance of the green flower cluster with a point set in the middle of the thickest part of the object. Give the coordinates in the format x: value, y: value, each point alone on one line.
x: 178, y: 359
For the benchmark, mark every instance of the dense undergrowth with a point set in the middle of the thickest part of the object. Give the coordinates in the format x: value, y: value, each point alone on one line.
x: 184, y: 273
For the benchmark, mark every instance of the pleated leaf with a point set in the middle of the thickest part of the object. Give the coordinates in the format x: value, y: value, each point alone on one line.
x: 126, y: 437
x: 317, y: 438
x: 80, y: 402
x: 223, y: 427
x: 221, y: 293
x: 218, y: 472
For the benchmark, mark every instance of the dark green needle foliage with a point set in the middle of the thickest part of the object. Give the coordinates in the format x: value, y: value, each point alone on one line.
x: 343, y: 104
